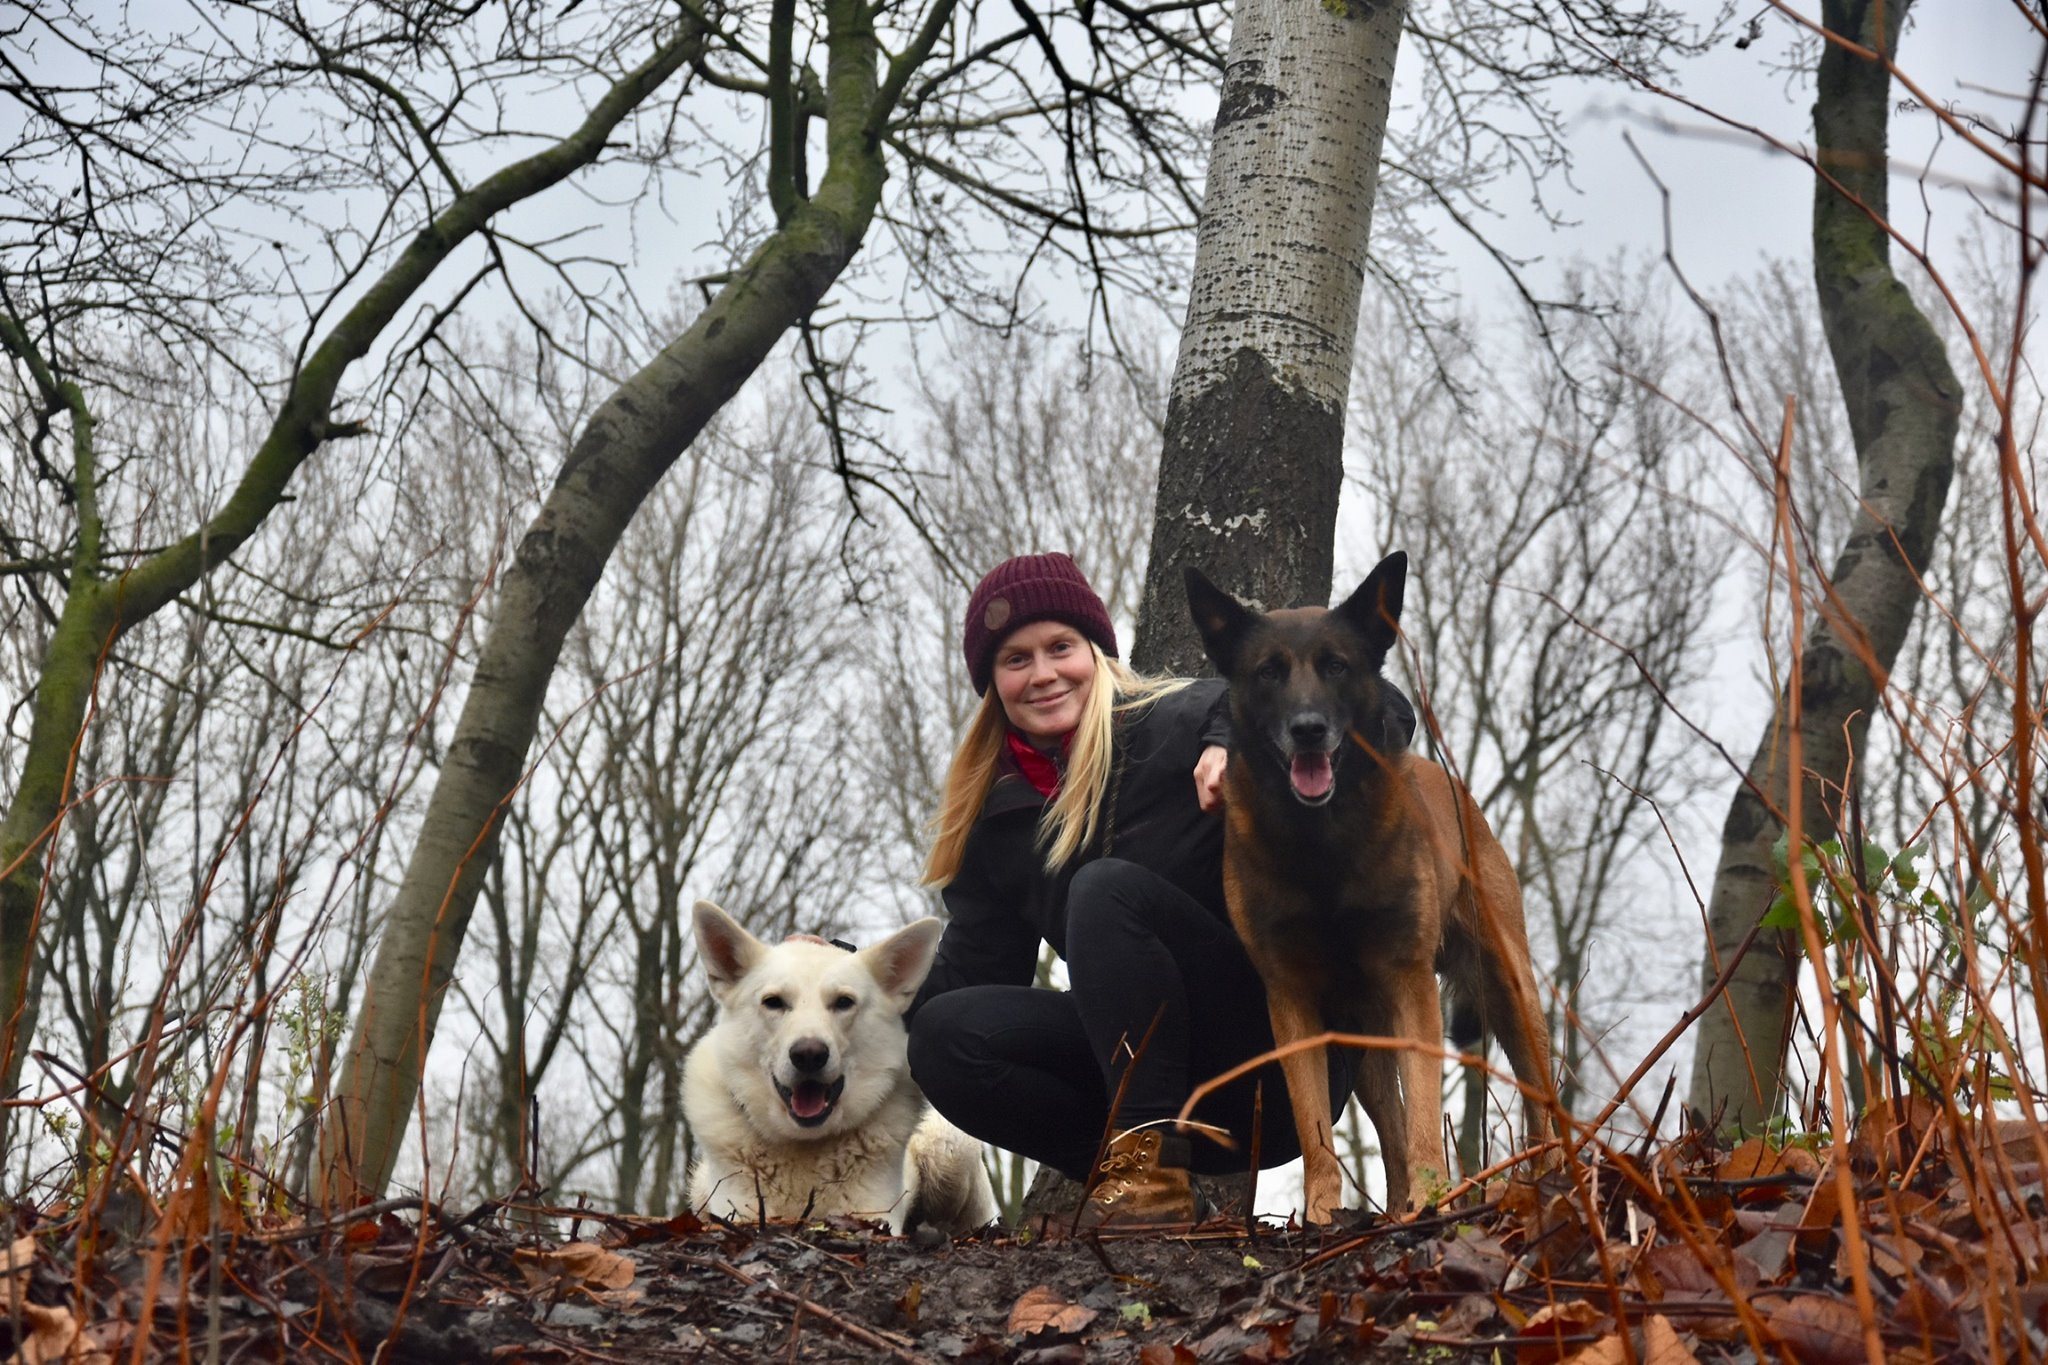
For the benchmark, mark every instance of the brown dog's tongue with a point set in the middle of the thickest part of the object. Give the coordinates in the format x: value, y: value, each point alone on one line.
x: 1311, y: 774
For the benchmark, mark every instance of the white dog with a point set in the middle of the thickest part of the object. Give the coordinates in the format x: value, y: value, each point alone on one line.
x: 800, y: 1097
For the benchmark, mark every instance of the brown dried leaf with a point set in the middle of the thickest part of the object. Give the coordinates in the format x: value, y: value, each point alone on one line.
x: 1539, y: 1344
x: 1891, y: 1130
x: 1922, y: 1311
x: 19, y: 1260
x: 1799, y: 1161
x: 1754, y: 1158
x: 1159, y: 1353
x: 1663, y: 1346
x: 1823, y: 1210
x: 912, y: 1297
x: 1893, y: 1256
x: 49, y: 1334
x: 1818, y: 1329
x: 1038, y: 1309
x: 1475, y: 1261
x: 579, y: 1265
x: 1673, y: 1275
x: 1672, y: 1268
x: 1609, y: 1350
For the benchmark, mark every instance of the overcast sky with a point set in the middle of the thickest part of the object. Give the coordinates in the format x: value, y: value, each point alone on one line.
x: 1733, y: 200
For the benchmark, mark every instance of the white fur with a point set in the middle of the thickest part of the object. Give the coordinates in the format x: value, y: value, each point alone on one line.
x: 880, y: 1152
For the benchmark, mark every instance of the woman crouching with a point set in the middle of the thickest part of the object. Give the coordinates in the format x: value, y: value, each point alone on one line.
x: 1080, y: 811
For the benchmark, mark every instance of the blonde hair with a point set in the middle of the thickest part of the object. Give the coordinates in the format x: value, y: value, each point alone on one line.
x: 1071, y: 821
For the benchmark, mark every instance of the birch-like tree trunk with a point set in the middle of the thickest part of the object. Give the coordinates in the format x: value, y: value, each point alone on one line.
x: 629, y: 443
x: 1253, y: 458
x: 1904, y: 404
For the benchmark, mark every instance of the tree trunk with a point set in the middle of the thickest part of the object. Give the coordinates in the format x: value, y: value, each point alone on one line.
x: 1903, y: 405
x: 1253, y: 458
x: 631, y: 440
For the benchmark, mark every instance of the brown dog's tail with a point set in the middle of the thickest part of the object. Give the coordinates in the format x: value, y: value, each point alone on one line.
x: 1464, y: 1024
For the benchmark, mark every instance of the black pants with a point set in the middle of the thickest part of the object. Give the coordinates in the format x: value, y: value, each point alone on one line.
x: 1034, y: 1071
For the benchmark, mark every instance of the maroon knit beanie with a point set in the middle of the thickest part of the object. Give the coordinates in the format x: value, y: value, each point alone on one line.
x: 1030, y: 588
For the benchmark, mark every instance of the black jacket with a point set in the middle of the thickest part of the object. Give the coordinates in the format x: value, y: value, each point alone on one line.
x: 1002, y: 903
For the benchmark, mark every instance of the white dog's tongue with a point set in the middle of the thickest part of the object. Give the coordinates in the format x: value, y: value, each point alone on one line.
x: 1311, y: 774
x: 808, y: 1100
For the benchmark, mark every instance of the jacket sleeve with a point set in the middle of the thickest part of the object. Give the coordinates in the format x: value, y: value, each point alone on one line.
x: 1216, y: 715
x: 987, y: 940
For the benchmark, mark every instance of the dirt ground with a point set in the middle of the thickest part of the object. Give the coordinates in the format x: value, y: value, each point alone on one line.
x: 1661, y: 1256
x: 641, y: 1290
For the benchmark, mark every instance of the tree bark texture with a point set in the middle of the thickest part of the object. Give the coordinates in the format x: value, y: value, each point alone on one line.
x: 99, y: 608
x: 1904, y: 406
x: 613, y: 465
x: 1253, y: 457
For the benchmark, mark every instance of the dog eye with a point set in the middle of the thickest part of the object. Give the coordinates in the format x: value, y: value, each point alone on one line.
x: 842, y: 1003
x: 1335, y: 668
x: 1273, y: 670
x: 775, y: 1003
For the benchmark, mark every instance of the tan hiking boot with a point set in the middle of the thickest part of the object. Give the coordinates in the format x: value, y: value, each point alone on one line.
x: 1132, y: 1187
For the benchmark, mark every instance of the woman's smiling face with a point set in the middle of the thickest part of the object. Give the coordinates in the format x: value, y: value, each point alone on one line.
x: 1043, y: 674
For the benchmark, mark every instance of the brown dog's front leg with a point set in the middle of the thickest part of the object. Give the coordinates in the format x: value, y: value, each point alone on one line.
x: 1421, y: 1021
x: 1308, y: 1092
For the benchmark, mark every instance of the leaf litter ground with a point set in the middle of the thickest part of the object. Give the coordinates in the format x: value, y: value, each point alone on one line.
x: 1687, y: 1254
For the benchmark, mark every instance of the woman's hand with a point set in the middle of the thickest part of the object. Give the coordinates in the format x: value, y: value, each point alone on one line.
x: 1209, y: 776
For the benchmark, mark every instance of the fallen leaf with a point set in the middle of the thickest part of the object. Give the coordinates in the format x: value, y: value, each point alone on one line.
x: 1663, y: 1346
x: 1819, y: 1329
x: 1159, y: 1353
x: 1609, y: 1350
x: 1823, y: 1210
x: 1923, y: 1311
x: 1770, y: 1251
x: 1038, y: 1309
x: 1540, y: 1337
x: 14, y: 1270
x: 1751, y: 1160
x: 1893, y: 1256
x: 1673, y: 1269
x: 1064, y: 1353
x: 50, y: 1333
x: 907, y: 1305
x: 1891, y: 1130
x: 582, y: 1265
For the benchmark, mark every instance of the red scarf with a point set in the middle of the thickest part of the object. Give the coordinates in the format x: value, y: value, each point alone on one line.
x: 1041, y: 772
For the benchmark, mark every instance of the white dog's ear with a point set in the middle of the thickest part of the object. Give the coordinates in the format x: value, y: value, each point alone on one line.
x: 728, y: 950
x: 899, y: 962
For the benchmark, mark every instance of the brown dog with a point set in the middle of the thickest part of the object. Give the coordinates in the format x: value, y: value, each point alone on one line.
x: 1355, y: 872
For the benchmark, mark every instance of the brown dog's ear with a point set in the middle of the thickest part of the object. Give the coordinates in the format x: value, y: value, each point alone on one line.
x: 1374, y: 611
x: 1221, y: 618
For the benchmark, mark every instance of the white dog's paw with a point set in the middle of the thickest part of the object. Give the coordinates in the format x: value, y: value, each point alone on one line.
x: 945, y: 1185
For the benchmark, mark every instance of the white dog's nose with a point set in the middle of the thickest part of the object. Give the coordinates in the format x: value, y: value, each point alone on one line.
x: 809, y: 1055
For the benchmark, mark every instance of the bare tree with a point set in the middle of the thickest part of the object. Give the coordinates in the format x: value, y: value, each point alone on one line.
x: 1253, y: 447
x: 135, y: 252
x: 1903, y: 404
